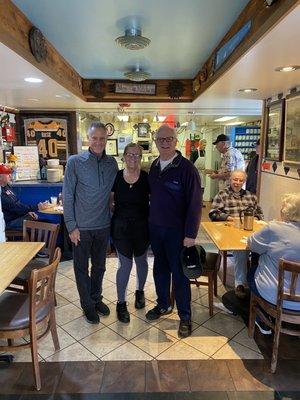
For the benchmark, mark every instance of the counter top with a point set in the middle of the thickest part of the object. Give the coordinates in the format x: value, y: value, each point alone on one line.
x: 37, y: 183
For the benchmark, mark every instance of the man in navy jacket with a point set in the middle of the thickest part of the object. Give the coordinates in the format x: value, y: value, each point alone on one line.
x: 13, y: 210
x: 175, y: 212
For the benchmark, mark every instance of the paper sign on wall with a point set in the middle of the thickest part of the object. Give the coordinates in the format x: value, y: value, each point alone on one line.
x: 27, y: 165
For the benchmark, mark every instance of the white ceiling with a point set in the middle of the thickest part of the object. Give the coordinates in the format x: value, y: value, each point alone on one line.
x: 183, y: 33
x: 255, y: 69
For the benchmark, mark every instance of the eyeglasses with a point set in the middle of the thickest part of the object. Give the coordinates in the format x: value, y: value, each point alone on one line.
x: 167, y: 139
x: 135, y: 156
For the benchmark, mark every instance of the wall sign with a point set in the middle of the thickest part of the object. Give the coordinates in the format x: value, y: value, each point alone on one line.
x: 49, y: 135
x: 135, y: 88
x: 228, y: 48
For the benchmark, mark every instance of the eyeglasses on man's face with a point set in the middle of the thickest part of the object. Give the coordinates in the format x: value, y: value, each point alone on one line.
x: 167, y: 139
x: 133, y: 156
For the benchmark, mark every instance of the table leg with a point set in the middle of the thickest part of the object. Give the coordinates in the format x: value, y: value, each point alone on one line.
x: 224, y: 254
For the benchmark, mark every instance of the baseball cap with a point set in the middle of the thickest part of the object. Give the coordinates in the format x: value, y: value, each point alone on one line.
x: 5, y: 170
x: 192, y: 260
x: 221, y: 138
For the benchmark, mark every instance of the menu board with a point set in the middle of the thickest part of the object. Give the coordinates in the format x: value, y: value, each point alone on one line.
x: 27, y: 165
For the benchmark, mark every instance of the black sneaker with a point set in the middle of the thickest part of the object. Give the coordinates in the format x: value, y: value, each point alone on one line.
x: 157, y: 312
x: 91, y: 316
x: 264, y: 329
x: 185, y: 329
x: 122, y: 312
x: 139, y: 299
x: 102, y: 309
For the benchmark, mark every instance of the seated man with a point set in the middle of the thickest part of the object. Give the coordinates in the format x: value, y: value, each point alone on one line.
x: 13, y: 210
x: 226, y: 206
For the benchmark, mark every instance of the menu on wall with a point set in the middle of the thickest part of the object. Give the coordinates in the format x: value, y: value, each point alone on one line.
x: 49, y: 135
x: 27, y: 165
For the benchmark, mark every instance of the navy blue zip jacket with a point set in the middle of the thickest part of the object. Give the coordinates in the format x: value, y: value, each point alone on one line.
x: 176, y: 196
x: 12, y: 208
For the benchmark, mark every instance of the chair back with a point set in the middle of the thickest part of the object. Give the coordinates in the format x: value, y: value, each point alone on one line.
x: 37, y: 231
x: 42, y: 286
x: 290, y: 293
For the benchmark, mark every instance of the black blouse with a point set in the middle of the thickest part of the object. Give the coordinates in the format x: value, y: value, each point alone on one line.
x: 131, y: 200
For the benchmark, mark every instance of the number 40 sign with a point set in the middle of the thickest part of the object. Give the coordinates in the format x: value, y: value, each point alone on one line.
x: 49, y: 136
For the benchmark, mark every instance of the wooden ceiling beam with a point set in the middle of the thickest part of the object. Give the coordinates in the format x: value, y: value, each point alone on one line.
x: 14, y: 33
x: 263, y: 19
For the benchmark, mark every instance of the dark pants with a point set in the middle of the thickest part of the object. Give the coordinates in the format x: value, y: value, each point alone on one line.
x: 92, y: 244
x: 167, y: 244
x: 17, y: 224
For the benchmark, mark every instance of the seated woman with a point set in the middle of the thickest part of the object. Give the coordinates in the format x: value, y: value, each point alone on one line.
x: 130, y: 195
x: 279, y: 239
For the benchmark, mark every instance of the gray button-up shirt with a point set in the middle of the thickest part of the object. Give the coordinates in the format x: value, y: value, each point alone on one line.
x: 87, y: 185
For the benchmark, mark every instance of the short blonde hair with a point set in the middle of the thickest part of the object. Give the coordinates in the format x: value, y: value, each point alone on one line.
x: 132, y: 144
x: 290, y: 207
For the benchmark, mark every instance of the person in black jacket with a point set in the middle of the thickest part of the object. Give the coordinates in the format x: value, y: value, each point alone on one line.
x: 13, y: 210
x: 252, y: 170
x: 129, y: 227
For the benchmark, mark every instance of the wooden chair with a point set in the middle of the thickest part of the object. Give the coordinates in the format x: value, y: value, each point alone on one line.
x: 32, y: 314
x: 36, y: 231
x: 12, y: 234
x: 210, y: 270
x: 278, y: 313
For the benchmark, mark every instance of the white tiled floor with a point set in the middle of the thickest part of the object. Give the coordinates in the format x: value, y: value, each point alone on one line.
x: 220, y: 336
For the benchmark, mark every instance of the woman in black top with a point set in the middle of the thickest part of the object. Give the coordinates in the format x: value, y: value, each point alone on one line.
x: 130, y: 195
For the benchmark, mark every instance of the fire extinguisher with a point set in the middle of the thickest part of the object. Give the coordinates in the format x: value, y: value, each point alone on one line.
x: 8, y: 131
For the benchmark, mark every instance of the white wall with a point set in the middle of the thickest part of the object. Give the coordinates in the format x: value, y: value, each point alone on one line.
x: 273, y: 187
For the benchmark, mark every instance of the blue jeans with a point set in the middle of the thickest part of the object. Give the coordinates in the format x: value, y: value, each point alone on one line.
x: 240, y: 258
x: 167, y: 244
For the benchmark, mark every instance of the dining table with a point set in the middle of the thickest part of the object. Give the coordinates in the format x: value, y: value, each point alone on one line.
x: 228, y: 237
x: 14, y: 256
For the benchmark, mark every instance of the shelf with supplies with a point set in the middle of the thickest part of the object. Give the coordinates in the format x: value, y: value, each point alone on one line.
x: 244, y: 138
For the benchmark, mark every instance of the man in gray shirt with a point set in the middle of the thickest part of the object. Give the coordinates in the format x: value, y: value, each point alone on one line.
x: 88, y: 181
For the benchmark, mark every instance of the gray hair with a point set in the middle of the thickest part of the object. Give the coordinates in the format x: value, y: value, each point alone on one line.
x: 166, y: 127
x: 290, y: 208
x: 96, y: 125
x: 241, y: 171
x: 132, y: 144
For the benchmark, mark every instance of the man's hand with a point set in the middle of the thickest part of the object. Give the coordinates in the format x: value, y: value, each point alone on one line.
x: 214, y: 176
x: 229, y: 218
x: 188, y: 242
x: 43, y: 206
x: 75, y: 236
x: 33, y: 215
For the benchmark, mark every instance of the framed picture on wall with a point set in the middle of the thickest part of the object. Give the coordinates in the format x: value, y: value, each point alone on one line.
x: 112, y: 147
x: 275, y: 131
x: 143, y: 130
x: 291, y: 154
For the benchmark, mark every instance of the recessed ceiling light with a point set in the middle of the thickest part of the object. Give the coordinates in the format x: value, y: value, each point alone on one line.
x: 248, y: 90
x: 33, y: 80
x: 33, y: 99
x: 287, y: 68
x: 62, y: 96
x: 224, y: 119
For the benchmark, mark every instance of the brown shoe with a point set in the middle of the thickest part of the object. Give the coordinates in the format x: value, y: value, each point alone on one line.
x: 240, y: 292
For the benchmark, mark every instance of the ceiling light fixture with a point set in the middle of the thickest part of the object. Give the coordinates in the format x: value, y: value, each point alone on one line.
x: 33, y: 99
x: 224, y: 119
x: 133, y: 40
x: 123, y: 118
x: 248, y: 90
x: 287, y: 68
x: 137, y: 75
x: 33, y: 80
